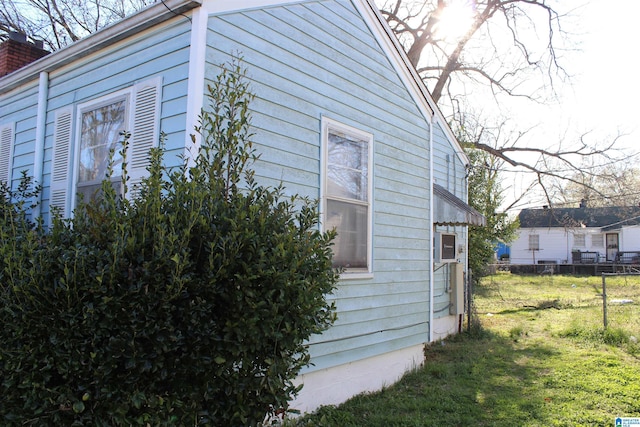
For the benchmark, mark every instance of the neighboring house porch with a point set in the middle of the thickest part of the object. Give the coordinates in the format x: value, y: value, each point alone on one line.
x: 577, y: 240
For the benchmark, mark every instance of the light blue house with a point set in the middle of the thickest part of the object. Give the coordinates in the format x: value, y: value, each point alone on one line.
x: 336, y: 99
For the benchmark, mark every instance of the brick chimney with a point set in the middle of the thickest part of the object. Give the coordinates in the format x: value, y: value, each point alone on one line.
x: 16, y: 52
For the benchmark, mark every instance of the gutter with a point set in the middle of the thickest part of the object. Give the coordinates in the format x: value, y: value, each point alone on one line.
x: 196, y: 85
x: 140, y: 21
x: 41, y: 125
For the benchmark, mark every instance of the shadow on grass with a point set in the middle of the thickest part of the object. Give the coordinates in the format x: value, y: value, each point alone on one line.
x: 484, y: 380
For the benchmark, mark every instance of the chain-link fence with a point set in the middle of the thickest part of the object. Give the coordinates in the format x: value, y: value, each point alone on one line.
x: 621, y: 302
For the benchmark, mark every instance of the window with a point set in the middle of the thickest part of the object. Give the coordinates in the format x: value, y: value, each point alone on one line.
x: 579, y: 240
x: 6, y: 152
x: 534, y: 242
x: 84, y: 136
x: 347, y: 194
x: 100, y: 130
x: 597, y: 240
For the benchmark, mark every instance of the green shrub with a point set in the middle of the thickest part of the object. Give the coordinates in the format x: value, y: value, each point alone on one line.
x: 188, y: 305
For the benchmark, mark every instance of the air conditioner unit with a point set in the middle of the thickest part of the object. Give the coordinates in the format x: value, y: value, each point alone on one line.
x: 445, y: 247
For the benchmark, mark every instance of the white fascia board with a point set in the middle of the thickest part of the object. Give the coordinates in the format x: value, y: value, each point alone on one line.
x: 225, y: 6
x: 140, y: 21
x: 390, y: 44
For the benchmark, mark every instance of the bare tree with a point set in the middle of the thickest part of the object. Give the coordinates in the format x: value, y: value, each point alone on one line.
x: 597, y: 186
x: 499, y: 44
x: 587, y: 168
x: 60, y: 22
x: 504, y: 49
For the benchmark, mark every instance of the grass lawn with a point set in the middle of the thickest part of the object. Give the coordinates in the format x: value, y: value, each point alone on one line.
x: 537, y: 355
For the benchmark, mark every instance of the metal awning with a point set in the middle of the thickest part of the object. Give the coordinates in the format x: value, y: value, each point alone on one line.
x: 450, y: 210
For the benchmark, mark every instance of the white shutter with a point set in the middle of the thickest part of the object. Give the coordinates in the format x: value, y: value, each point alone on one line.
x: 6, y: 153
x: 60, y: 164
x: 145, y: 130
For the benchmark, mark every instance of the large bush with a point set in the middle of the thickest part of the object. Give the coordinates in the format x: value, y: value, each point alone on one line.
x: 189, y: 305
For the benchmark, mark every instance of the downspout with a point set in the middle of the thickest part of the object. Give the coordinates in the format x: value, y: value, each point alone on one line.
x: 466, y: 281
x: 431, y: 228
x: 195, y: 86
x: 41, y: 124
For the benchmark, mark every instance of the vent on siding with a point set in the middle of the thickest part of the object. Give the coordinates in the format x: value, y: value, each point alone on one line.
x: 6, y: 141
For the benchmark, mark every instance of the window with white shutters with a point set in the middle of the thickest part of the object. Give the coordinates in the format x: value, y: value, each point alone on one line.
x: 89, y: 135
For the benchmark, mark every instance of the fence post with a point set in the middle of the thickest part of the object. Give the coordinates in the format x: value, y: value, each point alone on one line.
x: 604, y: 299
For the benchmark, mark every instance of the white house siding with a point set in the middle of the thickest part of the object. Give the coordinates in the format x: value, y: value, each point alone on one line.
x: 552, y: 242
x: 319, y: 59
x: 555, y: 244
x: 629, y: 238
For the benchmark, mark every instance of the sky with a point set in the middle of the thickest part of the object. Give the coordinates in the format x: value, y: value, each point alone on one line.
x: 602, y: 95
x: 606, y: 85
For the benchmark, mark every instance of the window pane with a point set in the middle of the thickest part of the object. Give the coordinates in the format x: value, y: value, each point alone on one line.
x: 579, y: 239
x: 347, y: 167
x: 100, y: 134
x: 91, y: 192
x: 351, y: 223
x: 534, y: 242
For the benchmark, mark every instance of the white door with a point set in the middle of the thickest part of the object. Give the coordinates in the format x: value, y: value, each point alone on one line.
x: 612, y: 246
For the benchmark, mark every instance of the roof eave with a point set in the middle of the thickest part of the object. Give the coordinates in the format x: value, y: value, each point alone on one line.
x: 418, y: 84
x: 140, y: 21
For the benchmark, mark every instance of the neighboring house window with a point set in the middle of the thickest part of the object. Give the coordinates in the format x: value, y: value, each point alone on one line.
x: 597, y: 240
x: 6, y: 152
x: 579, y: 240
x: 534, y: 242
x: 100, y: 141
x: 81, y: 157
x: 347, y: 194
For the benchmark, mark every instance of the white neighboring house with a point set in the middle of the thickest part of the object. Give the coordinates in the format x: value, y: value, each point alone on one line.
x: 577, y: 236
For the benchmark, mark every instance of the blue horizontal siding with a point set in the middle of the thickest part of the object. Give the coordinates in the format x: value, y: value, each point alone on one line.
x: 20, y: 108
x: 163, y: 50
x: 316, y: 59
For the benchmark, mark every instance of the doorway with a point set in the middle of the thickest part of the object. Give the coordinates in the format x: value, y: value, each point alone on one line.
x: 612, y: 246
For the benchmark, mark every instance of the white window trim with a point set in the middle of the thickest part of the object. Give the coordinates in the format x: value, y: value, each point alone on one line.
x: 125, y: 94
x: 327, y: 124
x: 7, y: 142
x: 143, y: 121
x: 137, y: 155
